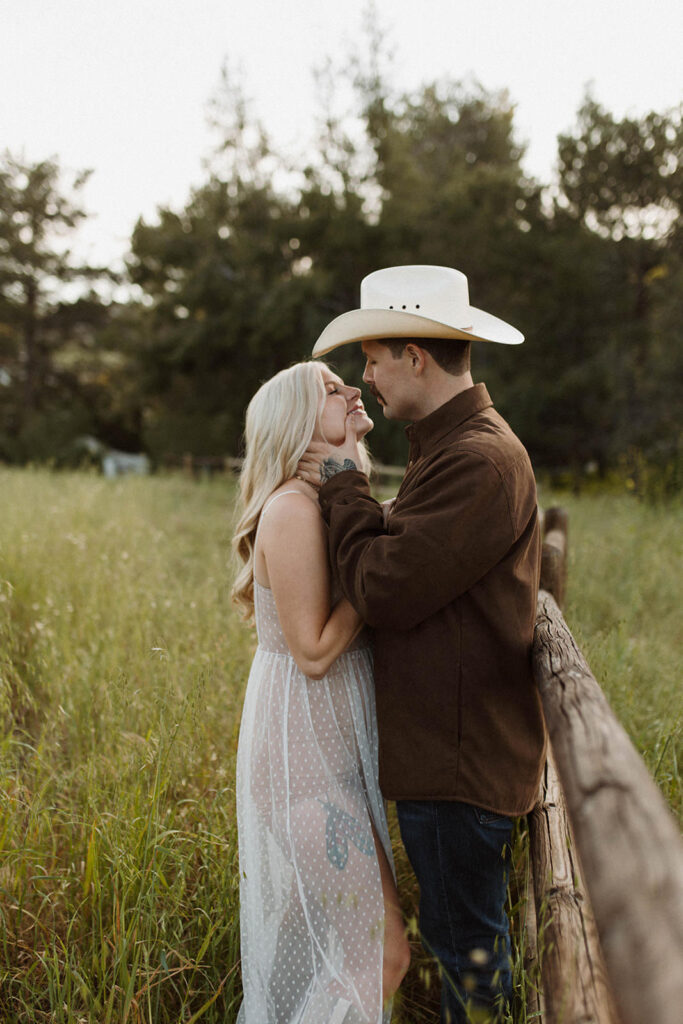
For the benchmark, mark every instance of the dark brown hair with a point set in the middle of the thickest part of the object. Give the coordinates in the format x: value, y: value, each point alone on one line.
x: 453, y: 356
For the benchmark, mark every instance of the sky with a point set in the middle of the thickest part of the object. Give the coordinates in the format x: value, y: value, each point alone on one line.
x: 123, y: 87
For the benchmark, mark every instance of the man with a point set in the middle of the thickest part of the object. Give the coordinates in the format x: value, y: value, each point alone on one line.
x: 449, y: 585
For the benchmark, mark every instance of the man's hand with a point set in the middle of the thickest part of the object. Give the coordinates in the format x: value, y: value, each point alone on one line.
x: 321, y: 461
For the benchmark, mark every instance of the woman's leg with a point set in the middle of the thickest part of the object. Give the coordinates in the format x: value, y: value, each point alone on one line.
x: 335, y: 862
x: 396, y: 959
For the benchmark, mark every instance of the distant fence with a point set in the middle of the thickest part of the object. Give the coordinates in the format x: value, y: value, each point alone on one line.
x: 197, y: 466
x: 606, y: 853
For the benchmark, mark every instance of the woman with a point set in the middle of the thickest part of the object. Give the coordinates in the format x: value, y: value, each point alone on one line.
x: 322, y: 935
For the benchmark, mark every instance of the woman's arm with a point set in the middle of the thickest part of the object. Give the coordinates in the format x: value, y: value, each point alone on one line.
x: 294, y: 545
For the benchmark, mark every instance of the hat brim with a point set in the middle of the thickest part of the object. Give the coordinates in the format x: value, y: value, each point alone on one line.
x: 374, y: 324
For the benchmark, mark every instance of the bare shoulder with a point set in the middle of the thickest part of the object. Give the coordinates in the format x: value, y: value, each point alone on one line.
x: 292, y: 536
x: 293, y: 502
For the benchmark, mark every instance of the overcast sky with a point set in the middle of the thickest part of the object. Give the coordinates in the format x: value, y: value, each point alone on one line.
x: 122, y: 86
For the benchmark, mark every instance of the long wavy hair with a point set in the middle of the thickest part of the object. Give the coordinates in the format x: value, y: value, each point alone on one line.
x: 280, y: 422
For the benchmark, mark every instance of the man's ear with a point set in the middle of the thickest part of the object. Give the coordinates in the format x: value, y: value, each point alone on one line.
x: 417, y: 357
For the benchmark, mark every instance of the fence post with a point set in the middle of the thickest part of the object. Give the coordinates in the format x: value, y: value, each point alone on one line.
x: 188, y: 464
x: 555, y: 526
x: 535, y: 1002
x: 575, y: 988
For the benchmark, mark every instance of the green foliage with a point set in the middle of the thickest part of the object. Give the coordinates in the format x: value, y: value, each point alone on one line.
x: 622, y: 181
x: 56, y: 377
x: 244, y: 279
x: 226, y: 304
x: 625, y: 177
x: 239, y: 282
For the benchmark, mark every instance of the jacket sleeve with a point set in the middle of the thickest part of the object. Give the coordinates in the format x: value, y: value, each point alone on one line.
x: 449, y: 528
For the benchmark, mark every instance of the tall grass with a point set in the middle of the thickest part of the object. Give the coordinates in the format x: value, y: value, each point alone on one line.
x: 122, y: 669
x: 623, y: 606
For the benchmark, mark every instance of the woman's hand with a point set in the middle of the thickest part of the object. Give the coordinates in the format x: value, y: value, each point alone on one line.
x: 386, y: 509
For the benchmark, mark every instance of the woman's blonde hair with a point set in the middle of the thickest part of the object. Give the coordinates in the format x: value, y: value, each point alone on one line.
x: 280, y: 422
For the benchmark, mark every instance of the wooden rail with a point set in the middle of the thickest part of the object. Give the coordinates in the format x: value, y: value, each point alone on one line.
x: 629, y: 846
x: 196, y: 466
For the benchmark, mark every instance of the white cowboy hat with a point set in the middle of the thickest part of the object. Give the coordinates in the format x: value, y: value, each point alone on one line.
x: 415, y: 302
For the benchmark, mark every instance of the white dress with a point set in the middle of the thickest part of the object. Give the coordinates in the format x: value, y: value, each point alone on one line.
x: 311, y: 907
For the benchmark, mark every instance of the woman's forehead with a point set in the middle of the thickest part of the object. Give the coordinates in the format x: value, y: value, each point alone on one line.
x: 331, y: 378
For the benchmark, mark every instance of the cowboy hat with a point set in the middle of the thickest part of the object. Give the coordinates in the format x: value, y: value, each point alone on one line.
x: 415, y: 302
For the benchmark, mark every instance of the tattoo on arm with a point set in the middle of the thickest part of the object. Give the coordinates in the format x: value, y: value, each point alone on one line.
x: 330, y: 467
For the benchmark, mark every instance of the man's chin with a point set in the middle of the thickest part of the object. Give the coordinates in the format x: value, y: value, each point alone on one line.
x: 386, y: 410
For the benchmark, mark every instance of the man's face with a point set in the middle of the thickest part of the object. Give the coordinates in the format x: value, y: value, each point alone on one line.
x: 391, y: 380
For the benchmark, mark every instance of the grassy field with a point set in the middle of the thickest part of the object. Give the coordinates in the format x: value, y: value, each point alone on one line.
x: 122, y: 668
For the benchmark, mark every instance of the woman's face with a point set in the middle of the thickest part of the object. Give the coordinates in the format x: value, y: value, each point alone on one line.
x: 340, y: 402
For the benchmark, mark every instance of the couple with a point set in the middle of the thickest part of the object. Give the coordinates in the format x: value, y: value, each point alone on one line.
x: 448, y: 723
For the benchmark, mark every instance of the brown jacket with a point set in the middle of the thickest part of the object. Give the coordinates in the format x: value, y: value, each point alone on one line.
x: 450, y: 588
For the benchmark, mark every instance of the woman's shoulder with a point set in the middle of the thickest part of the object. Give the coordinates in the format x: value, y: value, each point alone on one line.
x: 292, y: 527
x: 298, y: 498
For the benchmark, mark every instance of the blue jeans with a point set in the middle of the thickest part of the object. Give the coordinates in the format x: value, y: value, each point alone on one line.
x: 459, y: 854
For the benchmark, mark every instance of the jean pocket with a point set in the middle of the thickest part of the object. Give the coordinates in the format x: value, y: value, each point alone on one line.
x: 485, y: 817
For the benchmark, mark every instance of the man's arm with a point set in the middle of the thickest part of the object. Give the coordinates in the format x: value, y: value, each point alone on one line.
x: 446, y: 533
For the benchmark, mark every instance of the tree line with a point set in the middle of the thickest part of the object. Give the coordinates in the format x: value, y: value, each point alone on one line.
x: 239, y: 282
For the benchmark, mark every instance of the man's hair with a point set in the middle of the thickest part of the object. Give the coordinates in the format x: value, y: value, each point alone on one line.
x: 451, y: 356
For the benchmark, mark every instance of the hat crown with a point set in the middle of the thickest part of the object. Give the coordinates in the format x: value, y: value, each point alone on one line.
x: 439, y: 293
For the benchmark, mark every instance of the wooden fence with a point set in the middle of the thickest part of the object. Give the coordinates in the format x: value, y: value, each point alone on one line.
x: 197, y: 466
x: 606, y: 853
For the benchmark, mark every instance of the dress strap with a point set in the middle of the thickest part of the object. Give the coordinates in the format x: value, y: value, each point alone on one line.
x: 293, y: 490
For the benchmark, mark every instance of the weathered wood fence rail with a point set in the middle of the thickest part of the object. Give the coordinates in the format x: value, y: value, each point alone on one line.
x: 209, y: 465
x: 606, y: 853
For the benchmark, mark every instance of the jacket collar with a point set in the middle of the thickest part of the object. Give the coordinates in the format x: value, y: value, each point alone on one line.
x: 425, y: 434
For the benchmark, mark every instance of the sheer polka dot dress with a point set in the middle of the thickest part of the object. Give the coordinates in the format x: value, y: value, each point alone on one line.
x: 312, y: 914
